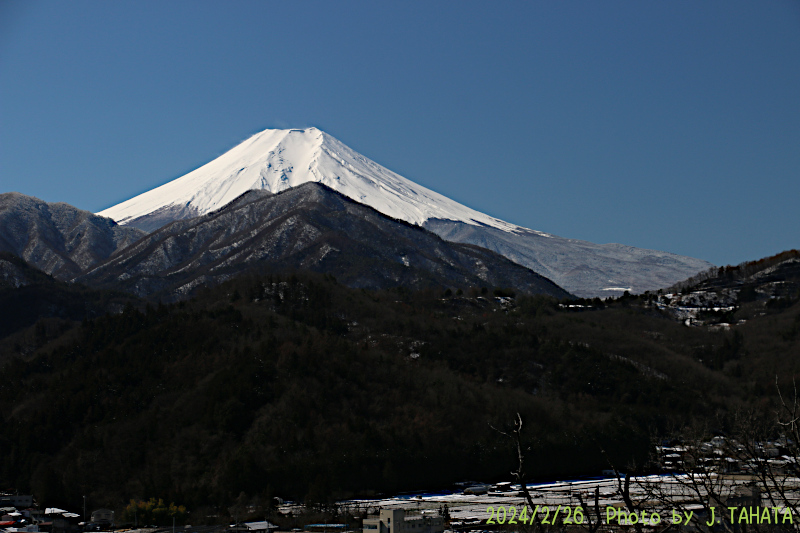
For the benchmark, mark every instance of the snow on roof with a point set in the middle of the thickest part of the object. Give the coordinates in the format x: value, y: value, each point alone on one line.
x: 254, y: 526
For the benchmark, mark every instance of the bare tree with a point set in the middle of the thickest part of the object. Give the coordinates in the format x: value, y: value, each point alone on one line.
x: 624, y: 490
x: 694, y: 494
x: 592, y: 515
x: 519, y: 474
x: 714, y: 483
x: 717, y: 480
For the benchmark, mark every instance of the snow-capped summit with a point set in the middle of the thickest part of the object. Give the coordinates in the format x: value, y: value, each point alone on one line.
x: 275, y: 160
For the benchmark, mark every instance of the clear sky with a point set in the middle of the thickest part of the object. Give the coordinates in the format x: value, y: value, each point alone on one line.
x: 672, y: 125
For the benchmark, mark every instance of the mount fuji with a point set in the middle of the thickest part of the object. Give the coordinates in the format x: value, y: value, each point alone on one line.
x: 276, y: 160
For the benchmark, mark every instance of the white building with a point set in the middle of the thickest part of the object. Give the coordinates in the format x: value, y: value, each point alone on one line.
x: 16, y: 500
x: 396, y: 521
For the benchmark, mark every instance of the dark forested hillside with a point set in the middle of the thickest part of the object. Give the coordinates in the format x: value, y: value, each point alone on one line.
x: 781, y: 268
x: 35, y: 307
x: 298, y: 386
x: 310, y: 228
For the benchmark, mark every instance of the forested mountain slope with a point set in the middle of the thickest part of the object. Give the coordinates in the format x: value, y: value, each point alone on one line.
x: 57, y: 238
x: 310, y: 227
x: 299, y: 386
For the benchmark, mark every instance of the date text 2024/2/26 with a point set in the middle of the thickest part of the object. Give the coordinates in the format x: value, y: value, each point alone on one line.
x: 575, y: 515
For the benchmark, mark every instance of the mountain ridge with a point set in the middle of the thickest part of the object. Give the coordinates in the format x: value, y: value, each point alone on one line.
x: 59, y: 239
x: 275, y: 160
x: 606, y: 269
x: 308, y: 227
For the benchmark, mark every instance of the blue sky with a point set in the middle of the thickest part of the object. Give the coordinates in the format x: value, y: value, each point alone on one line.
x: 667, y: 125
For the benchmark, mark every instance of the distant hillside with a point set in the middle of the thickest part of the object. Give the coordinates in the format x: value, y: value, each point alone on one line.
x: 15, y: 272
x: 59, y: 239
x: 309, y: 227
x: 782, y: 268
x: 584, y: 268
x: 30, y: 297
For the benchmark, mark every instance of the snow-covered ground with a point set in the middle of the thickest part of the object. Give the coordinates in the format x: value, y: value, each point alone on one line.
x: 471, y: 508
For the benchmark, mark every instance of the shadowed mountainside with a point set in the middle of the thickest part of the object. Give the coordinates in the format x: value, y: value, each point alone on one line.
x: 57, y: 238
x: 29, y: 297
x: 309, y: 227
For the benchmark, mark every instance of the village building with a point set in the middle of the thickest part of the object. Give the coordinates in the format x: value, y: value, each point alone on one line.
x: 18, y: 501
x: 103, y: 517
x: 397, y: 521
